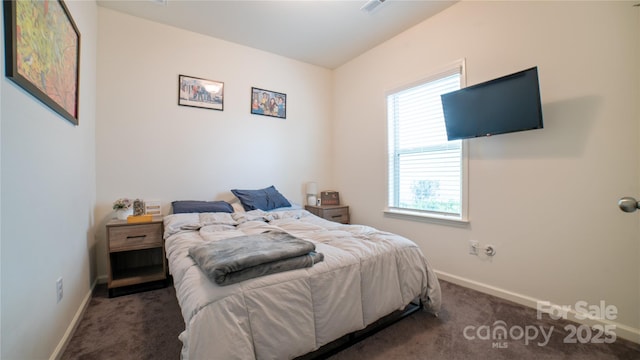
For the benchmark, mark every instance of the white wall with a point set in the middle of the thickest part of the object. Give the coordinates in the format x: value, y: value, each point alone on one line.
x: 149, y: 147
x: 547, y: 198
x: 48, y: 192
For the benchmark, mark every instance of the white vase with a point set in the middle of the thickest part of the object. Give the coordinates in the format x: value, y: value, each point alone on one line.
x: 122, y: 214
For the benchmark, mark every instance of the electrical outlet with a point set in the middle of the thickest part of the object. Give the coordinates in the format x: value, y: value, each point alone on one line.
x: 59, y: 289
x: 473, y: 247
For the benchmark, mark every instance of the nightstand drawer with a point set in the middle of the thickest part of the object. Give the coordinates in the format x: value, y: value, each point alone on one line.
x: 135, y: 237
x: 338, y: 215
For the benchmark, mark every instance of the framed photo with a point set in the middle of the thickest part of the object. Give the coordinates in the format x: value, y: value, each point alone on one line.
x: 47, y: 67
x: 202, y: 93
x: 268, y: 103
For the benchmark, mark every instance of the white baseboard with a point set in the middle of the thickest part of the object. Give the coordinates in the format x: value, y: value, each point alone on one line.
x: 622, y: 331
x: 62, y: 345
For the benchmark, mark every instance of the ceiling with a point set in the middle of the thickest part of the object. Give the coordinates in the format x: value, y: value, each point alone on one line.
x: 320, y: 32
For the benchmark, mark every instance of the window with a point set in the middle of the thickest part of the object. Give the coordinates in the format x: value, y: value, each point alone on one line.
x: 426, y: 172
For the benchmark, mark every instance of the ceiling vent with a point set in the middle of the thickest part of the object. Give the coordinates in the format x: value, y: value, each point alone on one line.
x: 371, y: 5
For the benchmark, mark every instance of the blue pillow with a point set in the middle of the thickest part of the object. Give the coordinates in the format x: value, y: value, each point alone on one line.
x: 191, y: 206
x: 263, y: 199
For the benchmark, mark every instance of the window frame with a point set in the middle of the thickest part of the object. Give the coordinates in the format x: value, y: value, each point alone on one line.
x: 425, y: 215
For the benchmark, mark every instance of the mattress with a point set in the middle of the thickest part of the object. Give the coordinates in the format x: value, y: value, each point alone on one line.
x: 366, y: 274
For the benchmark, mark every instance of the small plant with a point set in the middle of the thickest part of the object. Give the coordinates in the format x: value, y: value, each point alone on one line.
x: 122, y: 204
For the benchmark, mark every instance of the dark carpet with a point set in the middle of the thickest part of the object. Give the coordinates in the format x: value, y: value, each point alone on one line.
x: 146, y: 325
x: 143, y: 325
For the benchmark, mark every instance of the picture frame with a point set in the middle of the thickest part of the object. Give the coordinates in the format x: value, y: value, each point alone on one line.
x: 329, y: 197
x: 200, y: 93
x: 48, y: 68
x: 153, y: 207
x: 268, y: 103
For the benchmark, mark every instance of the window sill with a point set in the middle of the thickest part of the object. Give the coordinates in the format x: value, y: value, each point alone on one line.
x: 427, y: 217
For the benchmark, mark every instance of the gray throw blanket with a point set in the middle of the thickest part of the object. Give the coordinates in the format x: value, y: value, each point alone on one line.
x: 232, y: 260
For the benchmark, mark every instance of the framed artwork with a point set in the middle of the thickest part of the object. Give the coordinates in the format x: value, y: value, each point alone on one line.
x: 42, y: 53
x: 202, y: 93
x: 268, y: 103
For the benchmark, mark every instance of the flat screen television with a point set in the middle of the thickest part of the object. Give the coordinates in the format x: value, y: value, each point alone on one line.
x: 507, y: 104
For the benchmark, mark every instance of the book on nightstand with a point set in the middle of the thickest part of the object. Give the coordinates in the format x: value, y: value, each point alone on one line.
x: 139, y: 218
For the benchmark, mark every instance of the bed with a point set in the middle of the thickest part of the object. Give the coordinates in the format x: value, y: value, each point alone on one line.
x: 365, y: 275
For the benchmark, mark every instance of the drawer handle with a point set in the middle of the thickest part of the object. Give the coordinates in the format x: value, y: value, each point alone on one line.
x: 136, y: 236
x: 336, y: 216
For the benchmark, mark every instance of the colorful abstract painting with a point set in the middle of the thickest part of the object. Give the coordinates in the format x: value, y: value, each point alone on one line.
x: 44, y: 53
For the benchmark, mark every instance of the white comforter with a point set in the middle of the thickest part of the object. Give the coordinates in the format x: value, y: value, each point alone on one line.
x: 366, y: 274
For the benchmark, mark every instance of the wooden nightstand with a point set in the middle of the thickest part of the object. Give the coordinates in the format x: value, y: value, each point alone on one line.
x: 136, y: 253
x: 337, y: 213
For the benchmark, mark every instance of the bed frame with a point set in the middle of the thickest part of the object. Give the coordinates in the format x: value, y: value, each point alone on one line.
x: 348, y: 340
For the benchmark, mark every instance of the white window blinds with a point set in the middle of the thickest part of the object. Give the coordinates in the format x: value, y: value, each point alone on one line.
x: 425, y: 170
